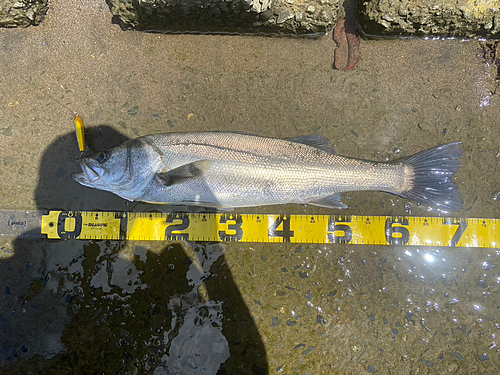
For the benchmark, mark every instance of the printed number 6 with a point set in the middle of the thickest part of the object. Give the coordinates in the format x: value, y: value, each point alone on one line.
x: 391, y: 229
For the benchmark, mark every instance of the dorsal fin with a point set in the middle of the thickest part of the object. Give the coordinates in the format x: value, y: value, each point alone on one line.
x: 314, y: 140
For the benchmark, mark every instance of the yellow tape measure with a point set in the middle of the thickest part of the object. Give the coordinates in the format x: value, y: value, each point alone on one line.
x: 346, y: 229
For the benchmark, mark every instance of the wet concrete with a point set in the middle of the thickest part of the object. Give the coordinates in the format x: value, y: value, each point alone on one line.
x: 133, y: 307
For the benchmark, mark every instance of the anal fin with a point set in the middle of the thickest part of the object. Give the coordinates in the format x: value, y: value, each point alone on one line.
x: 214, y: 205
x: 332, y: 201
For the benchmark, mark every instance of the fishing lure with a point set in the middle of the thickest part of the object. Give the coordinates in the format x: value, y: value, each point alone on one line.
x: 80, y: 135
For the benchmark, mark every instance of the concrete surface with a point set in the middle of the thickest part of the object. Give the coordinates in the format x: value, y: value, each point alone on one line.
x: 87, y: 307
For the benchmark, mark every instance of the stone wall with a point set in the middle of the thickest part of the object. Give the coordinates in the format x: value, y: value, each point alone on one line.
x: 228, y: 16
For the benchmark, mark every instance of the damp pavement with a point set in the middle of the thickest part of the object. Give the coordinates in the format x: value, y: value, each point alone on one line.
x: 188, y: 308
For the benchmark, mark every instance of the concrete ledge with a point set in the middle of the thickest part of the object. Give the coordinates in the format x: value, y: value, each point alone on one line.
x: 22, y: 13
x: 443, y: 18
x: 228, y: 16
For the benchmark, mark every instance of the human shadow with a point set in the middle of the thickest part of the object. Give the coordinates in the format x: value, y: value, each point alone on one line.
x: 118, y: 307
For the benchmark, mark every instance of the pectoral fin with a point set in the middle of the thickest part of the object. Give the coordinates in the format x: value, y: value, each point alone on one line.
x: 184, y: 173
x: 333, y: 201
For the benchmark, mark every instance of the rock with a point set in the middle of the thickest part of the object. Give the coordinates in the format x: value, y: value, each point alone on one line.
x: 14, y: 13
x: 284, y: 16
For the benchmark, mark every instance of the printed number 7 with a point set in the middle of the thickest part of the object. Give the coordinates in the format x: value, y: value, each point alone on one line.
x: 461, y: 224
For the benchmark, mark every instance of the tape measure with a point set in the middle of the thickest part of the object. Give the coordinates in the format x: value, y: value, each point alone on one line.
x: 224, y: 227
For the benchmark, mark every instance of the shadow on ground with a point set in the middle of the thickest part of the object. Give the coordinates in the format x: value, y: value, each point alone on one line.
x: 118, y: 307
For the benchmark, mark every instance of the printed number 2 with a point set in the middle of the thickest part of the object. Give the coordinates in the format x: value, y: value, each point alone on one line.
x: 390, y: 229
x: 286, y: 233
x: 169, y: 235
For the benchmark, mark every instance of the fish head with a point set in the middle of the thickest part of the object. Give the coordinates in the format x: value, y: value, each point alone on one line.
x: 125, y: 170
x: 108, y: 170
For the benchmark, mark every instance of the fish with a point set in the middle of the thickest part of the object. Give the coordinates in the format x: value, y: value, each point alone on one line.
x: 225, y: 170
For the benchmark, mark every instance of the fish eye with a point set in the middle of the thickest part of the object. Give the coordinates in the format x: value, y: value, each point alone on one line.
x: 101, y: 157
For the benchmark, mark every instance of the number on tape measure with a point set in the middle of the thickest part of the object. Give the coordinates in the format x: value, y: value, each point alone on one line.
x: 396, y: 232
x: 170, y: 229
x: 461, y: 227
x: 69, y: 225
x: 234, y: 231
x: 285, y: 232
x: 338, y: 230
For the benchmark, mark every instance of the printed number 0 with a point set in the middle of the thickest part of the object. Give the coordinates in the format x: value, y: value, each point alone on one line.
x: 64, y: 234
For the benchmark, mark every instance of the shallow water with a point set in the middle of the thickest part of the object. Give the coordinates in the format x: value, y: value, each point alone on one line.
x: 85, y: 307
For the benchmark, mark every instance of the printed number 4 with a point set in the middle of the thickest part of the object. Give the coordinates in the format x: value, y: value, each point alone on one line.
x: 286, y: 233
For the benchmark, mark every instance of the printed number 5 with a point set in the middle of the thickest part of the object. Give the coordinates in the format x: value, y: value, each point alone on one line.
x: 335, y: 228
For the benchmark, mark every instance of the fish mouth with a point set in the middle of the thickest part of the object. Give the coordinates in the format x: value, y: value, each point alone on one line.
x: 88, y: 175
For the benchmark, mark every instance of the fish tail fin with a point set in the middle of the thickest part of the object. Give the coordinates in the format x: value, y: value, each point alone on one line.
x: 432, y: 171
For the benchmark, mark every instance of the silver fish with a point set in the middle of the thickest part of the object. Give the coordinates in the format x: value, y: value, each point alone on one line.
x: 227, y: 170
